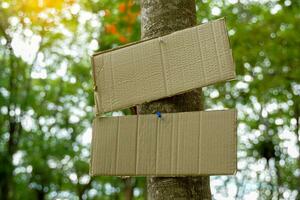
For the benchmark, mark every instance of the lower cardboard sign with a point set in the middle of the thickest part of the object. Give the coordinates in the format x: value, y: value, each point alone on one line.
x: 176, y: 144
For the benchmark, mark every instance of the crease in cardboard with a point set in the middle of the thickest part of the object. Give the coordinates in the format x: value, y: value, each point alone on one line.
x: 136, y: 144
x: 201, y: 56
x: 161, y: 42
x: 199, y: 142
x: 178, y: 144
x: 178, y: 139
x: 156, y: 142
x: 117, y: 146
x: 112, y: 82
x: 163, y: 67
x: 235, y: 143
x: 216, y: 49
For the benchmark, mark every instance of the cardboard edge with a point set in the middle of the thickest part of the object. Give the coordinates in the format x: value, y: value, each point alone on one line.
x: 201, y: 111
x: 233, y: 173
x: 93, y: 70
x: 236, y: 140
x: 91, y: 171
x: 230, y: 173
x: 95, y: 88
x: 231, y: 51
x: 122, y: 46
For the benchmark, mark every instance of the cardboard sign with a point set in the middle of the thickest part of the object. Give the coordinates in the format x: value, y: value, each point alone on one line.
x: 162, y: 67
x: 188, y: 143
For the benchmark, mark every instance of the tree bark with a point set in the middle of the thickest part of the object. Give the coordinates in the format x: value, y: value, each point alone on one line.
x: 128, y: 190
x: 161, y: 17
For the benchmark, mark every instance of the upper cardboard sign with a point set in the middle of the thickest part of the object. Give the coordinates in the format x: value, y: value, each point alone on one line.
x: 162, y: 67
x: 188, y: 143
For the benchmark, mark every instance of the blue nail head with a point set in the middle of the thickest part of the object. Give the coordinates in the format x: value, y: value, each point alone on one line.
x: 158, y: 114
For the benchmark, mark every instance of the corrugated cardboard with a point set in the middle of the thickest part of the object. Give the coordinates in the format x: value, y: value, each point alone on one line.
x: 162, y: 67
x: 188, y: 143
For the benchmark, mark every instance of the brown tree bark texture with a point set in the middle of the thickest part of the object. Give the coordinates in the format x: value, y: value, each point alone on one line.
x: 161, y: 17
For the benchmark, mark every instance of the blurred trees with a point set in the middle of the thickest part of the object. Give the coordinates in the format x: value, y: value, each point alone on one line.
x: 46, y: 101
x: 265, y: 42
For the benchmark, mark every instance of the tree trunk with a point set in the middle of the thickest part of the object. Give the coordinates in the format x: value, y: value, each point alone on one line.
x: 161, y: 17
x: 128, y: 190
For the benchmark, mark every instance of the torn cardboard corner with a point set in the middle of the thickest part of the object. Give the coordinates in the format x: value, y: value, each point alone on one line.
x: 162, y: 67
x: 188, y: 143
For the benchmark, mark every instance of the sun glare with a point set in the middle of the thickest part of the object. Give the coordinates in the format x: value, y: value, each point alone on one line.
x: 40, y: 5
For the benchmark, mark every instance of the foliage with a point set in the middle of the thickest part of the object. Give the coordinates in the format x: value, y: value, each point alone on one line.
x: 265, y: 42
x: 46, y: 101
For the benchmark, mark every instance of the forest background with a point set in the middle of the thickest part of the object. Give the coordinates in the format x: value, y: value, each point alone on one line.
x: 46, y: 96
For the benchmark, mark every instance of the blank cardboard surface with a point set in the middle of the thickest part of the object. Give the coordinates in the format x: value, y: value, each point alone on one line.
x: 162, y: 67
x: 188, y: 143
